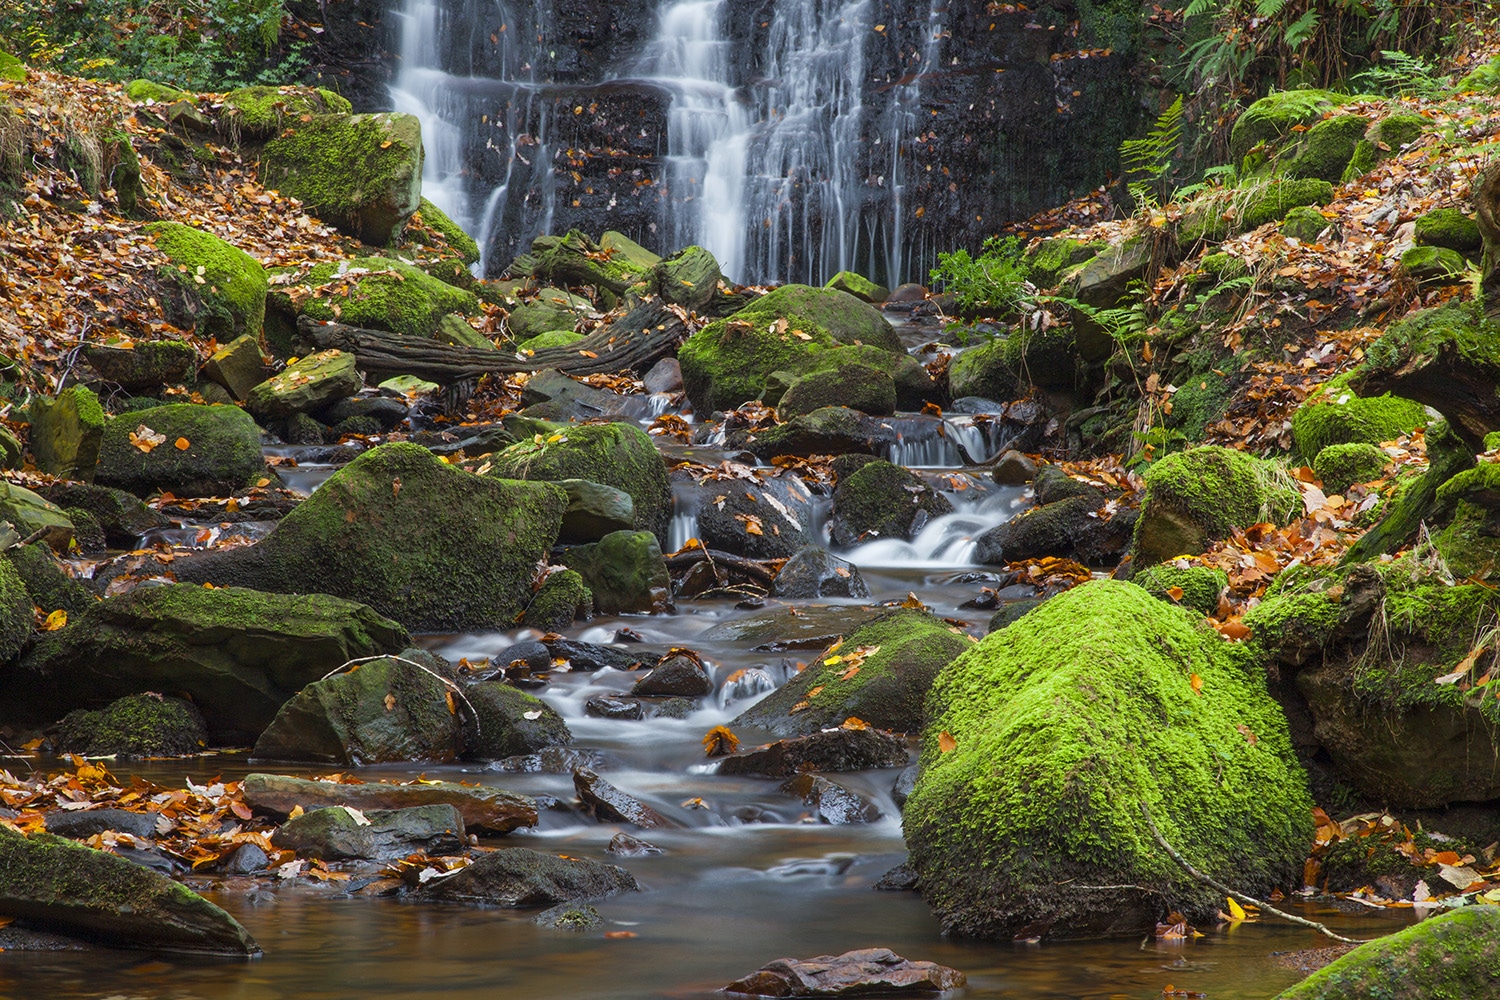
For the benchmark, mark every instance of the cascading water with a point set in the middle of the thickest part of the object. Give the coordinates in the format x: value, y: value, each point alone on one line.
x: 422, y: 89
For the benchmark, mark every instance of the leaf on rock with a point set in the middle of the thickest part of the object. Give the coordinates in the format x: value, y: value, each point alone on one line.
x: 720, y: 741
x: 946, y: 742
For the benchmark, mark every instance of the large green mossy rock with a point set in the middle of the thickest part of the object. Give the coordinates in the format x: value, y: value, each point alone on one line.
x: 1336, y: 414
x: 903, y: 652
x: 362, y: 173
x: 145, y: 367
x: 222, y: 454
x: 1047, y: 739
x: 261, y: 112
x: 309, y: 384
x: 238, y: 654
x: 66, y: 432
x: 1340, y: 466
x: 1198, y: 496
x: 1006, y: 367
x: 141, y: 725
x: 619, y: 455
x: 459, y: 241
x: 689, y: 278
x: 1195, y: 587
x: 859, y: 387
x: 859, y: 286
x: 225, y: 287
x: 1451, y: 956
x: 624, y: 571
x: 57, y: 885
x: 1275, y: 118
x: 384, y: 711
x: 882, y: 500
x: 423, y: 542
x: 1451, y: 229
x: 382, y: 294
x: 794, y: 329
x: 551, y: 310
x: 1327, y: 148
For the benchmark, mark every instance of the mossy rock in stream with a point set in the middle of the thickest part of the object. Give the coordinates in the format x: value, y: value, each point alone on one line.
x: 222, y: 454
x: 510, y: 722
x: 141, y: 725
x: 616, y: 454
x: 428, y: 544
x: 1198, y: 496
x: 886, y: 691
x: 1049, y: 741
x: 1336, y: 414
x: 460, y: 242
x: 1450, y: 956
x: 98, y: 896
x: 859, y: 387
x: 1195, y: 587
x: 882, y: 500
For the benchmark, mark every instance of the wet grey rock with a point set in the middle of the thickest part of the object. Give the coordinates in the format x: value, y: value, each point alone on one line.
x: 1013, y: 469
x: 86, y: 822
x: 870, y: 972
x: 831, y: 802
x: 121, y: 514
x: 674, y: 708
x: 975, y: 404
x: 780, y: 508
x: 1076, y: 528
x: 569, y: 917
x: 390, y: 412
x: 664, y: 376
x: 830, y: 750
x: 625, y: 846
x: 566, y: 398
x: 677, y: 676
x: 338, y: 834
x: 882, y: 500
x: 1052, y: 485
x: 815, y: 572
x: 905, y: 782
x: 594, y: 510
x: 529, y: 653
x: 552, y: 760
x: 247, y: 859
x: 518, y: 877
x: 610, y: 805
x: 605, y: 706
x: 483, y: 808
x: 591, y: 656
x: 899, y: 879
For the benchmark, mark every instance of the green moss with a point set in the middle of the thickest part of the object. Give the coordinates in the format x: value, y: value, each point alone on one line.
x: 1201, y: 400
x: 1200, y: 585
x: 614, y: 454
x: 1483, y: 80
x: 1196, y: 496
x: 363, y: 173
x: 1340, y: 466
x: 624, y: 571
x: 562, y: 600
x: 511, y: 722
x: 1434, y: 265
x: 887, y: 691
x: 881, y: 500
x: 384, y: 294
x: 1067, y: 723
x: 1451, y: 228
x: 1304, y: 223
x: 1274, y: 118
x: 230, y: 283
x: 1052, y: 260
x: 859, y: 387
x: 48, y: 586
x: 459, y: 241
x: 1447, y: 456
x: 16, y: 620
x: 1270, y: 202
x: 222, y: 454
x: 11, y: 68
x: 1336, y: 415
x: 858, y: 286
x: 261, y: 111
x: 552, y: 338
x: 141, y: 725
x: 1327, y: 148
x: 1224, y: 266
x: 149, y: 90
x: 982, y: 370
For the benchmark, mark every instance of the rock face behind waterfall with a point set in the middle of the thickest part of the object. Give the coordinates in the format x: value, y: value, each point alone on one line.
x: 1045, y: 741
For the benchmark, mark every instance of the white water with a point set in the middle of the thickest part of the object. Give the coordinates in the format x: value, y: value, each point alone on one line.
x: 422, y: 89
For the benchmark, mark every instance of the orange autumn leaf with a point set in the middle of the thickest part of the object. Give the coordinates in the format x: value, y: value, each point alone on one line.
x: 55, y: 620
x: 855, y: 723
x: 1175, y: 593
x: 182, y: 444
x: 946, y: 742
x: 1197, y: 683
x: 720, y: 741
x: 1234, y: 630
x: 615, y: 935
x: 452, y: 705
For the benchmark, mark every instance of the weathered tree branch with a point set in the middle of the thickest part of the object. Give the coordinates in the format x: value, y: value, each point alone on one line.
x: 755, y: 571
x: 640, y: 338
x: 1213, y: 883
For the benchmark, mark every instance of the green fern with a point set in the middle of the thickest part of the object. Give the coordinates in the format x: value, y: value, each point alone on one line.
x: 1148, y: 161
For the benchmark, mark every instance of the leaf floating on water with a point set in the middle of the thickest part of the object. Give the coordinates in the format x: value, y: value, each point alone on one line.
x: 946, y: 742
x: 720, y: 741
x: 615, y: 935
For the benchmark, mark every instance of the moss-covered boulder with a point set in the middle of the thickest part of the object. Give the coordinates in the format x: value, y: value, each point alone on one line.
x: 309, y: 384
x: 385, y: 711
x: 1275, y: 118
x: 16, y: 620
x: 620, y: 455
x: 1433, y: 266
x: 148, y: 366
x: 551, y: 310
x: 690, y: 278
x: 375, y: 292
x: 797, y: 330
x: 859, y: 286
x: 203, y: 451
x: 1451, y: 956
x: 362, y: 173
x: 51, y: 588
x: 880, y: 673
x: 1386, y: 138
x: 985, y: 371
x: 563, y: 600
x: 552, y: 338
x: 882, y: 500
x: 1340, y: 466
x: 224, y: 287
x: 1469, y: 543
x: 1336, y: 414
x: 261, y: 112
x: 61, y: 886
x: 1195, y: 587
x: 237, y: 654
x: 1272, y: 201
x: 29, y: 513
x: 575, y: 259
x: 12, y: 69
x: 1050, y: 261
x: 421, y: 541
x: 143, y: 90
x: 1450, y: 228
x: 1304, y: 224
x: 1327, y: 148
x: 859, y: 387
x: 1045, y: 742
x: 1196, y: 497
x: 460, y: 242
x: 626, y: 251
x: 624, y: 571
x: 238, y: 366
x: 508, y: 722
x: 66, y: 433
x: 141, y: 725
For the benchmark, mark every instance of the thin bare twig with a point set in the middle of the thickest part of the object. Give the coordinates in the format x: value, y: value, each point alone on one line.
x: 411, y: 663
x: 1213, y: 883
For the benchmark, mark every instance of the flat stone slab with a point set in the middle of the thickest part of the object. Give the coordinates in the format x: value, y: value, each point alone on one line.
x: 870, y: 972
x: 490, y: 809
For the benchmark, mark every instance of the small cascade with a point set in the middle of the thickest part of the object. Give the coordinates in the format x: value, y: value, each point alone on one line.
x: 745, y: 685
x: 684, y: 523
x: 945, y: 542
x: 421, y: 88
x: 943, y: 442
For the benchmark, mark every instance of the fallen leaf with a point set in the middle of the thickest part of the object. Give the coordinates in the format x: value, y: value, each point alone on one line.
x: 720, y: 741
x: 182, y: 444
x: 452, y: 705
x: 1197, y: 683
x: 946, y: 742
x: 390, y: 702
x: 55, y: 620
x: 614, y: 935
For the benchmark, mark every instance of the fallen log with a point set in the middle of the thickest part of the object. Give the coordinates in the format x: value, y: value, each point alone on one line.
x: 643, y: 336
